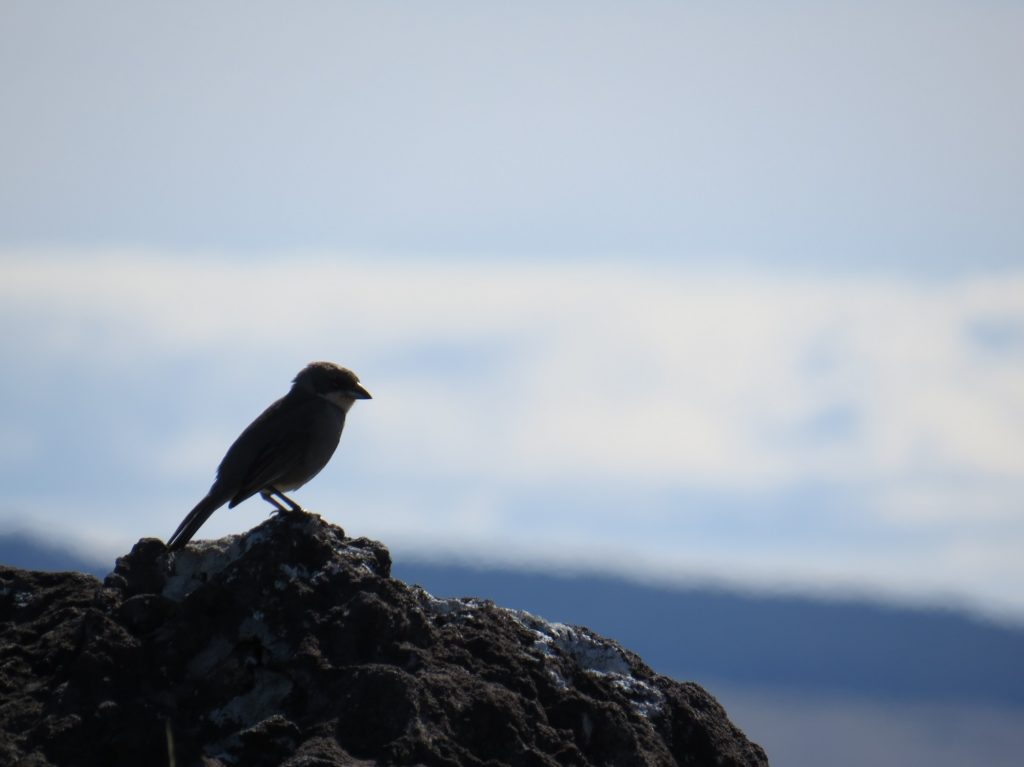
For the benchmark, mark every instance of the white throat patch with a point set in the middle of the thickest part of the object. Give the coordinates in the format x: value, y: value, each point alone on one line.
x: 338, y: 399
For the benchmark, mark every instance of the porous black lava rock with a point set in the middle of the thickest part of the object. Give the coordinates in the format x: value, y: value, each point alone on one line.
x: 292, y: 645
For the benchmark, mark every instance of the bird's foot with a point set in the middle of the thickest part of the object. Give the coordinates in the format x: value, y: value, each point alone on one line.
x: 283, y: 511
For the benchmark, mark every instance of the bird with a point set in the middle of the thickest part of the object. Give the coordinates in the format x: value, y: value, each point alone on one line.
x: 285, y: 447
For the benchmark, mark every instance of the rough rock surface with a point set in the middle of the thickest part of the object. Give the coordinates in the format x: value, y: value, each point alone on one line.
x: 291, y: 645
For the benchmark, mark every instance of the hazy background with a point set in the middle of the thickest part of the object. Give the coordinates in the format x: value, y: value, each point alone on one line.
x: 680, y: 292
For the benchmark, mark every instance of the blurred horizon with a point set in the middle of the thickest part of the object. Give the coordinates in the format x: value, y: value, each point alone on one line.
x: 761, y: 431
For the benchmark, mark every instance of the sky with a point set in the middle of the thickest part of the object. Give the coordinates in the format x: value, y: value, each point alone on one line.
x: 674, y: 290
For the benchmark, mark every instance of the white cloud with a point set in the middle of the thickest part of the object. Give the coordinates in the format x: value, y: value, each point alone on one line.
x: 572, y: 383
x: 664, y: 375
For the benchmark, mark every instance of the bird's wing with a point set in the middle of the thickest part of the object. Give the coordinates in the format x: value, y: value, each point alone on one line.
x: 277, y: 460
x: 271, y: 447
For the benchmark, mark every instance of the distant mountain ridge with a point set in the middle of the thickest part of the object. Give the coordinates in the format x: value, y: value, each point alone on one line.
x: 29, y: 552
x: 799, y: 644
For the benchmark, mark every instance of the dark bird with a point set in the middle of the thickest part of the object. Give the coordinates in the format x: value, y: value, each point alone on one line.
x: 288, y: 445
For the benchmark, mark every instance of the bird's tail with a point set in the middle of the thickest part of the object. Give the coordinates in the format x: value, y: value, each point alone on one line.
x: 195, y: 519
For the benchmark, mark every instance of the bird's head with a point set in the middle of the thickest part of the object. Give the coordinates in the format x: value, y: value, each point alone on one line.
x: 338, y: 385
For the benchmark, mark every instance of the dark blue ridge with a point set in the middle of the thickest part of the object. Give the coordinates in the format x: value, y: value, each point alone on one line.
x: 29, y: 553
x: 800, y: 644
x: 715, y: 636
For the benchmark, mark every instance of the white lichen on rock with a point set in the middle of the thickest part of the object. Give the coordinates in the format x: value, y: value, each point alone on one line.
x: 562, y: 649
x: 200, y: 561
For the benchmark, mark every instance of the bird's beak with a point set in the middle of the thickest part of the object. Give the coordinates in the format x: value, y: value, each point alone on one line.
x: 358, y: 392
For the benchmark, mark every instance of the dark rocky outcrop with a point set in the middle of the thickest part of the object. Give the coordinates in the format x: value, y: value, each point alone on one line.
x: 291, y: 645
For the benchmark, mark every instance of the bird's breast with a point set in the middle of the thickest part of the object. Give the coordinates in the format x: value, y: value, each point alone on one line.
x: 325, y: 435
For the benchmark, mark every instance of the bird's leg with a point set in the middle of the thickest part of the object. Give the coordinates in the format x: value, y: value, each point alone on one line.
x: 268, y: 496
x: 294, y: 506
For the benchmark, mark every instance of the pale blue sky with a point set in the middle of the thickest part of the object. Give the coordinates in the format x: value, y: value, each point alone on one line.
x: 842, y: 133
x: 675, y: 289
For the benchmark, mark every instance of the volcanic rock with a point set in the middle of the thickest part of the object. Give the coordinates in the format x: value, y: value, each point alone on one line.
x: 292, y: 645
